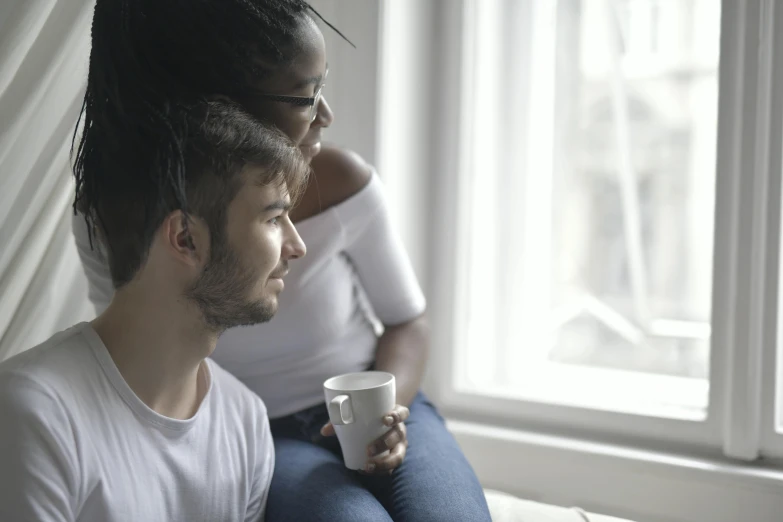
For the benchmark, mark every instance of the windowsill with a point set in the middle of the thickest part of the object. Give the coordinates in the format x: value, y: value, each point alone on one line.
x: 623, y: 481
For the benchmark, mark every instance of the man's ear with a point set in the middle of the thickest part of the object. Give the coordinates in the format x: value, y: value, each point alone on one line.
x: 187, y: 238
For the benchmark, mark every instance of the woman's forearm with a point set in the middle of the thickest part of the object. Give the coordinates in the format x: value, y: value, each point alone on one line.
x: 402, y: 351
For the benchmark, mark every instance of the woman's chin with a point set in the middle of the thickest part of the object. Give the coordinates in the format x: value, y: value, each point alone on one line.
x: 310, y: 151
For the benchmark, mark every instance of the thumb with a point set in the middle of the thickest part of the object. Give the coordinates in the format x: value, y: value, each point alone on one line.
x: 327, y: 430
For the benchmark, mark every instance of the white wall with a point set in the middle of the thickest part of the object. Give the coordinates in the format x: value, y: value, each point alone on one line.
x: 352, y: 86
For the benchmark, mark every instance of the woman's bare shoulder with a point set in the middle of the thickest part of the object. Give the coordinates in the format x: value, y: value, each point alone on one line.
x: 339, y: 174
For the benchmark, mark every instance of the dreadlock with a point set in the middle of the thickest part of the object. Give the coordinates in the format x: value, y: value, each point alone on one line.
x: 153, y: 64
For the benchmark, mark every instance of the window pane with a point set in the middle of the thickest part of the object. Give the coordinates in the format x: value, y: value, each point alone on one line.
x: 589, y: 204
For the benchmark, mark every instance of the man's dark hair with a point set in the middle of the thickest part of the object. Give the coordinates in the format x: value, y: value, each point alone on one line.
x: 222, y: 142
x: 154, y: 64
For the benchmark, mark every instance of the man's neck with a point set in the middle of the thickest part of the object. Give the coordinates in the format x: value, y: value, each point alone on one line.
x: 159, y: 346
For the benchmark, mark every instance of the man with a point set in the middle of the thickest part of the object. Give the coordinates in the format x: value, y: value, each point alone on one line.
x: 125, y: 418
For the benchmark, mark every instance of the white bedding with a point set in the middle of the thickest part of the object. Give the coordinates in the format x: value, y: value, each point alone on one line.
x: 507, y: 508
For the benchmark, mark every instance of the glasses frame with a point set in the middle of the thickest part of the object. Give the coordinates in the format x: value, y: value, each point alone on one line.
x: 300, y: 101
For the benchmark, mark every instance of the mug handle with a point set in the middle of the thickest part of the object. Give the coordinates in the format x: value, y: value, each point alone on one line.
x: 340, y: 411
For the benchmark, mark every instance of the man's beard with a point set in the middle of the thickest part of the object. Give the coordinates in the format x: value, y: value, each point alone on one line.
x: 221, y: 292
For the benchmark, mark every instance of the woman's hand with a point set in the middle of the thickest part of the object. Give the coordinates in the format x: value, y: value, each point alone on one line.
x: 395, y: 441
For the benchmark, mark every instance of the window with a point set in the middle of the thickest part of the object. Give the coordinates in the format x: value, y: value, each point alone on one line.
x: 600, y: 225
x: 618, y: 206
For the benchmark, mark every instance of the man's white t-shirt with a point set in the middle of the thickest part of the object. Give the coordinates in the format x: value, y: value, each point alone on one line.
x: 76, y: 444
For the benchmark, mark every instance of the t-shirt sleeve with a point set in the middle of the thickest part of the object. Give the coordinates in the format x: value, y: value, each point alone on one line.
x: 379, y: 257
x: 262, y: 474
x: 37, y: 457
x: 95, y: 264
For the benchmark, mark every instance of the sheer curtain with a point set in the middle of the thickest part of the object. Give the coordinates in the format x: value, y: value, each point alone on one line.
x: 44, y: 49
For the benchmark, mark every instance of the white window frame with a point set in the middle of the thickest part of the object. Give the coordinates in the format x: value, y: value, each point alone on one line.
x: 745, y: 287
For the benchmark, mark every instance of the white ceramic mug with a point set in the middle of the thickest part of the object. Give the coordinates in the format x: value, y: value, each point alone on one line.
x: 357, y: 403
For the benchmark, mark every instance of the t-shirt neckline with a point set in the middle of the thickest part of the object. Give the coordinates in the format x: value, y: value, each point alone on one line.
x: 144, y: 412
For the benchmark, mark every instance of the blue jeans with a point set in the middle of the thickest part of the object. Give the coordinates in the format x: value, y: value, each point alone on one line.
x: 310, y: 483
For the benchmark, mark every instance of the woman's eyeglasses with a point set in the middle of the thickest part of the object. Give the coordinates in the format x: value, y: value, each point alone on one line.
x: 301, y: 101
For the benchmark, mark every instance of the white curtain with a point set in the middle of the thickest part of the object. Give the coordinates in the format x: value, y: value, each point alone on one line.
x: 44, y: 51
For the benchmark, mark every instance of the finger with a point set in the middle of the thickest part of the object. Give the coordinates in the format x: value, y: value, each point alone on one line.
x: 327, y: 430
x: 387, y: 463
x: 390, y: 439
x: 403, y: 412
x: 399, y: 414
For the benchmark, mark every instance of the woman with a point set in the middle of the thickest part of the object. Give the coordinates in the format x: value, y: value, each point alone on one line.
x: 270, y: 57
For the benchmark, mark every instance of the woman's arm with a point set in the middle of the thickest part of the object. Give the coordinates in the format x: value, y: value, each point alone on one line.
x: 403, y: 351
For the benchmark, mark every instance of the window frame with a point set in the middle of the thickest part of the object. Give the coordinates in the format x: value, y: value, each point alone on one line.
x: 745, y: 271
